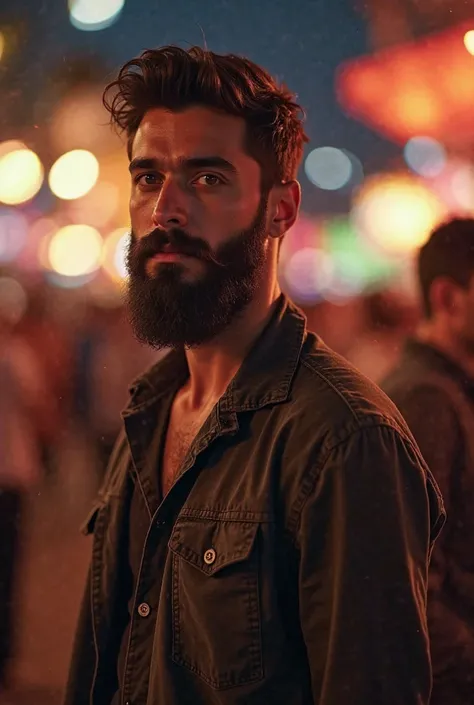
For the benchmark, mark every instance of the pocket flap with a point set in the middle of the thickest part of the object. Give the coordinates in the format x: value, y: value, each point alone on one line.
x: 210, y: 546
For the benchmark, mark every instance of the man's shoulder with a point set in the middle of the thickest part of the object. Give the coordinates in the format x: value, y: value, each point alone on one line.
x: 414, y: 383
x: 336, y: 395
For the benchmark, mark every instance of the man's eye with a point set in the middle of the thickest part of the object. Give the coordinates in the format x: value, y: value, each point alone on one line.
x: 208, y: 180
x: 147, y: 179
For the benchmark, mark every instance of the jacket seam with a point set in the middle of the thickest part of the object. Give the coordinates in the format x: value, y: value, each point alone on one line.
x: 310, y: 481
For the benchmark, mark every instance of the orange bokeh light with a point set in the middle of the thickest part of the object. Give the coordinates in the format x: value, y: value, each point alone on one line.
x: 424, y: 87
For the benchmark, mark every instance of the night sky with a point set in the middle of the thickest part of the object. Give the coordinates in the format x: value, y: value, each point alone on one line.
x: 300, y: 41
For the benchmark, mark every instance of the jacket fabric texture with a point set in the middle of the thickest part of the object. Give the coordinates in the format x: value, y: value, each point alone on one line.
x: 291, y: 553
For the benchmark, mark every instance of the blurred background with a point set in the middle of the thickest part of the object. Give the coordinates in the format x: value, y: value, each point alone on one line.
x: 389, y: 91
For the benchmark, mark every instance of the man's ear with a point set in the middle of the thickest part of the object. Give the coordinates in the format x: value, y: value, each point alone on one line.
x: 284, y: 204
x: 446, y: 295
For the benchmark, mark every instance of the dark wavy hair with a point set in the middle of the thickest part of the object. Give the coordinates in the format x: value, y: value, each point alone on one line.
x: 449, y: 253
x: 174, y: 78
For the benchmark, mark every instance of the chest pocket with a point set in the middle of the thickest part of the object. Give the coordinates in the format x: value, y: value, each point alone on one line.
x: 216, y: 605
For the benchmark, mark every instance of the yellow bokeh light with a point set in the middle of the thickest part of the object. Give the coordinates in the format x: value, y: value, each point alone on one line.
x: 11, y: 146
x: 2, y: 45
x: 75, y: 250
x: 21, y: 176
x: 74, y: 174
x: 115, y: 247
x: 469, y: 41
x: 396, y: 213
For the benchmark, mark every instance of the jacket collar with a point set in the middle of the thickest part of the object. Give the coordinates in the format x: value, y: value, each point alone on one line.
x: 264, y: 377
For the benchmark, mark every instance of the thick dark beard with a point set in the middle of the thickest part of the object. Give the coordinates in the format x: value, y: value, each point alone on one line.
x: 167, y: 311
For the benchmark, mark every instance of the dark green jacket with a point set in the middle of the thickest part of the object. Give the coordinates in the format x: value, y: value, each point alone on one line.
x: 436, y: 397
x: 320, y: 514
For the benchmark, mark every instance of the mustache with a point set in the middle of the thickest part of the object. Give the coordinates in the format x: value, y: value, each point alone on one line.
x: 155, y: 243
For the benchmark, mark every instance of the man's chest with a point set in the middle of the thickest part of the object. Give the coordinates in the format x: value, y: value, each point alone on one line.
x: 179, y: 436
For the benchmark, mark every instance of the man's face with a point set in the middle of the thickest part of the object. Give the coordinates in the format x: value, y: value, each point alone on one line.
x: 462, y: 318
x: 199, y: 243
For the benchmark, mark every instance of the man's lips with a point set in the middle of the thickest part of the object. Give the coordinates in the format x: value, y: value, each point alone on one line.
x: 167, y: 257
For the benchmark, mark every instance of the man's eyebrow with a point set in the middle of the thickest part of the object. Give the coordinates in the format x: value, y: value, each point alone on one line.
x: 211, y: 162
x: 141, y: 163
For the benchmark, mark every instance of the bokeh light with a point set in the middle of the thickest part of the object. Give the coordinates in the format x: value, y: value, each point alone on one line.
x: 462, y: 187
x: 70, y: 282
x: 11, y: 146
x: 75, y: 250
x: 307, y: 274
x: 21, y: 176
x: 3, y: 44
x: 93, y: 15
x: 13, y: 234
x: 98, y: 207
x: 425, y: 156
x: 469, y: 41
x: 13, y: 300
x: 329, y: 168
x: 396, y: 213
x: 74, y: 174
x: 80, y: 121
x: 115, y: 251
x: 356, y: 264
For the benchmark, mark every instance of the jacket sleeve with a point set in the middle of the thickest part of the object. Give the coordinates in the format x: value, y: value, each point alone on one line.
x: 364, y: 541
x: 434, y: 424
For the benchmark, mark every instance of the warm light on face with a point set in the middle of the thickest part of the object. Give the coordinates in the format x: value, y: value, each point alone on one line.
x: 75, y: 250
x: 74, y: 174
x: 21, y: 176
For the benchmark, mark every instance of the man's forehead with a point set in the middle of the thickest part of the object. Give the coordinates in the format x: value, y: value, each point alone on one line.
x: 189, y: 132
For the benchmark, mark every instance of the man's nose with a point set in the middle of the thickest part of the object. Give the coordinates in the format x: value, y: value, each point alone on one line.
x: 170, y: 210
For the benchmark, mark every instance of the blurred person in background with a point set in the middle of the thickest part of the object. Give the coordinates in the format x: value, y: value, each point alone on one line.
x: 386, y: 321
x: 263, y: 530
x: 53, y: 353
x: 22, y: 393
x: 112, y: 358
x: 433, y: 386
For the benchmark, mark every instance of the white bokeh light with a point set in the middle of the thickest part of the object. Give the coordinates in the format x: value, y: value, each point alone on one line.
x: 425, y: 156
x: 308, y: 273
x: 115, y: 253
x: 330, y: 168
x: 120, y: 256
x: 93, y: 15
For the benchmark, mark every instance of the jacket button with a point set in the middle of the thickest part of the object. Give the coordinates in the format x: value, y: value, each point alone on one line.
x: 144, y: 610
x: 209, y: 556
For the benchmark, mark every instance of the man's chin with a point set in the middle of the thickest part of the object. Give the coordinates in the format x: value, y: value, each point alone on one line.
x: 185, y: 270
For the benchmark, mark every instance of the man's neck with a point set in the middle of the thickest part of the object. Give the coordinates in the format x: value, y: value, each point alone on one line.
x: 212, y: 366
x: 426, y: 333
